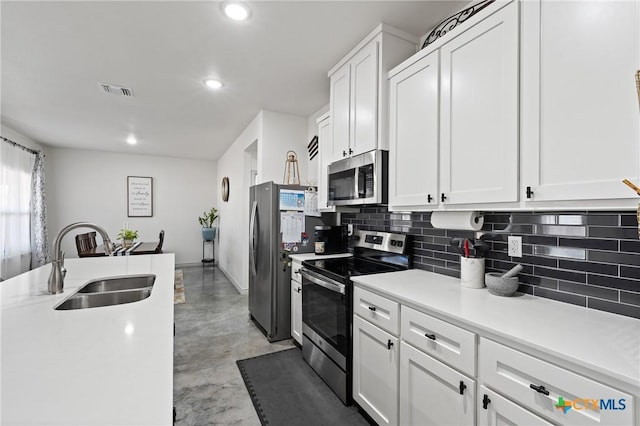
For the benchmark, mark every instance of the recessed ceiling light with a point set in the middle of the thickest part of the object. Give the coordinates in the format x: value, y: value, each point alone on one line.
x: 131, y: 140
x: 236, y: 11
x: 213, y: 84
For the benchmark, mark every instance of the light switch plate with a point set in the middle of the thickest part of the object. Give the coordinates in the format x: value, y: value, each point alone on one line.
x: 515, y: 246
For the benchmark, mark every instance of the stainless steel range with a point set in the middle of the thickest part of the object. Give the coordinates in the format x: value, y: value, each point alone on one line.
x: 327, y: 303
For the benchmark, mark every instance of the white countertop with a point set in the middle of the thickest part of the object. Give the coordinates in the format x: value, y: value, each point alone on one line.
x: 100, y: 366
x: 310, y: 256
x: 600, y: 343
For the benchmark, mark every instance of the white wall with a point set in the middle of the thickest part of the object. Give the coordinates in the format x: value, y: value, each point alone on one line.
x: 263, y: 145
x: 91, y: 186
x: 233, y: 228
x: 281, y: 133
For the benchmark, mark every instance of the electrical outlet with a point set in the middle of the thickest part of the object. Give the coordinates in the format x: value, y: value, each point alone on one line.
x: 515, y: 246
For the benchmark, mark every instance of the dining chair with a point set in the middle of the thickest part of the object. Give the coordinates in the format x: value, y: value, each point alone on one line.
x: 85, y: 242
x: 160, y: 242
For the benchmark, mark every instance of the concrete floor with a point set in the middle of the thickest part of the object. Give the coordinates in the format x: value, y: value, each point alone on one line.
x: 213, y: 331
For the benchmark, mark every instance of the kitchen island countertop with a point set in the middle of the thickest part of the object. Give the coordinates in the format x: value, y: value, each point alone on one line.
x: 599, y: 344
x: 110, y: 365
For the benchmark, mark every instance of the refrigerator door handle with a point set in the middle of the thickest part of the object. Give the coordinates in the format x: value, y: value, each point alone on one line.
x: 252, y: 238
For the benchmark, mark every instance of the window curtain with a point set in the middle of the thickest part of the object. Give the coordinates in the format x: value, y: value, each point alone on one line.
x: 39, y: 238
x: 23, y: 234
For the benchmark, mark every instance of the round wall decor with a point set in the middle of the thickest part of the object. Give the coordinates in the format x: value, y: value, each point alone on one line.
x: 225, y: 189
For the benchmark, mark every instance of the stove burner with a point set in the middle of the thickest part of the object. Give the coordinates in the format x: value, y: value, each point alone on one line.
x: 341, y: 269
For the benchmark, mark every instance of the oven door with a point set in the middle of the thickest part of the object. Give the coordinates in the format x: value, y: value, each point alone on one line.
x: 326, y: 313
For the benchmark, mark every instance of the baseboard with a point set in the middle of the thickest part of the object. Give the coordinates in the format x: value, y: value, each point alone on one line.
x: 233, y: 281
x: 189, y: 265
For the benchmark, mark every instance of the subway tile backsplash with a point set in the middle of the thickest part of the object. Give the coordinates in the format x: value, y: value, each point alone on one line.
x: 591, y: 259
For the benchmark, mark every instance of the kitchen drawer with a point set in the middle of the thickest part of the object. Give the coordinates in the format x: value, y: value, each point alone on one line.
x: 377, y: 310
x: 512, y: 373
x: 446, y: 342
x: 494, y: 410
x: 295, y: 271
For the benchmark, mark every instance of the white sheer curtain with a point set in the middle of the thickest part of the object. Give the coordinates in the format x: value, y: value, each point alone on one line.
x: 16, y: 168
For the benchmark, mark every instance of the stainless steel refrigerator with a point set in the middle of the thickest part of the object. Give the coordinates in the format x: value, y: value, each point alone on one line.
x: 269, y: 270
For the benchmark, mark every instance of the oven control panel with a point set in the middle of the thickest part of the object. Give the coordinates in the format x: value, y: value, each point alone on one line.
x: 385, y: 241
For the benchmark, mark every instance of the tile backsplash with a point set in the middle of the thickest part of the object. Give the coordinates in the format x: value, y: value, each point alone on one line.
x: 591, y: 259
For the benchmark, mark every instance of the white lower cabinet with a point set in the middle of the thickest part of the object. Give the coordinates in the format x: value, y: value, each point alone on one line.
x: 418, y: 369
x: 494, y: 410
x: 375, y: 371
x: 432, y: 393
x: 542, y: 387
x: 296, y: 301
x: 296, y: 311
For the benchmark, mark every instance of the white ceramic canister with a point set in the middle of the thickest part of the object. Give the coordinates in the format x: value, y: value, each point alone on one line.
x: 472, y: 272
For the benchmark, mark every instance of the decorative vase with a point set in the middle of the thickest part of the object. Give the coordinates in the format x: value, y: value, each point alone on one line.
x: 127, y: 243
x: 209, y: 234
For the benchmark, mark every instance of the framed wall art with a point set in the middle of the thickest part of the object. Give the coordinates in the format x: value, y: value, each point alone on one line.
x: 139, y: 196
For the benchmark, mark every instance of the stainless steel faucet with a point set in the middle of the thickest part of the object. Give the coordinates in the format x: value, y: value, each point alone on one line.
x: 56, y: 278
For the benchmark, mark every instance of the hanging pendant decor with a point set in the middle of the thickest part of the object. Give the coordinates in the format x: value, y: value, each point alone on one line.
x: 291, y: 170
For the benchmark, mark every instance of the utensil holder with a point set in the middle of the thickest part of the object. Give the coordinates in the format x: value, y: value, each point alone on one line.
x: 472, y: 272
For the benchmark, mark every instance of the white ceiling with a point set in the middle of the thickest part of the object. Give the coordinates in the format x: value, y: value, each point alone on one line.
x: 54, y: 54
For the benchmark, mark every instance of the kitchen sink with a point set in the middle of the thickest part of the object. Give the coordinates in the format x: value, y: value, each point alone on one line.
x: 125, y: 282
x: 94, y: 300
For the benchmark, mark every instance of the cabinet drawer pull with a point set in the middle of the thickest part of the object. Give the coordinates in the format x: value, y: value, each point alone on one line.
x: 372, y: 308
x: 389, y: 344
x: 462, y: 387
x: 443, y: 197
x: 350, y: 151
x: 430, y: 336
x: 299, y: 289
x: 344, y: 153
x: 429, y: 198
x: 485, y: 401
x: 539, y: 389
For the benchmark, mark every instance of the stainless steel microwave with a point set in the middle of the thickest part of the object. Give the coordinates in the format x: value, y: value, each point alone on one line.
x: 361, y: 179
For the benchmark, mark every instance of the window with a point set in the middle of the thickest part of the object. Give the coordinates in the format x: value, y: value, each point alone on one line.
x: 16, y: 169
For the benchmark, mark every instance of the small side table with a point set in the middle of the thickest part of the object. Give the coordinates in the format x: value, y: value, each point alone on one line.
x: 211, y: 259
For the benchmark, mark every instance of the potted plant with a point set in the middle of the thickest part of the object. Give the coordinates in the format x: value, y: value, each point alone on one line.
x: 128, y: 236
x: 206, y: 221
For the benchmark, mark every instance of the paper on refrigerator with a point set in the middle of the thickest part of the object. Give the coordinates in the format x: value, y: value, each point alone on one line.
x: 311, y: 203
x: 292, y: 226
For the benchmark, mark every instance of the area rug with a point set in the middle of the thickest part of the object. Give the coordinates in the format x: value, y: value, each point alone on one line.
x: 286, y: 391
x: 178, y: 288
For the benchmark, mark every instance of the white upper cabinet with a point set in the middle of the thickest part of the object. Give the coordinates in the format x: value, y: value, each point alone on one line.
x: 325, y: 156
x: 358, y: 94
x: 580, y: 121
x: 413, y: 136
x: 340, y: 111
x: 479, y: 112
x: 364, y: 93
x: 453, y: 122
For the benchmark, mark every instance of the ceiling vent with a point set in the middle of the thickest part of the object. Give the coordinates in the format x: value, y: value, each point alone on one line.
x: 112, y: 89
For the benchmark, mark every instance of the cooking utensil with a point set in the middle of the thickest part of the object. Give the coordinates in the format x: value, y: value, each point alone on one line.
x: 457, y: 245
x: 631, y: 185
x: 512, y: 272
x: 466, y: 248
x: 481, y: 248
